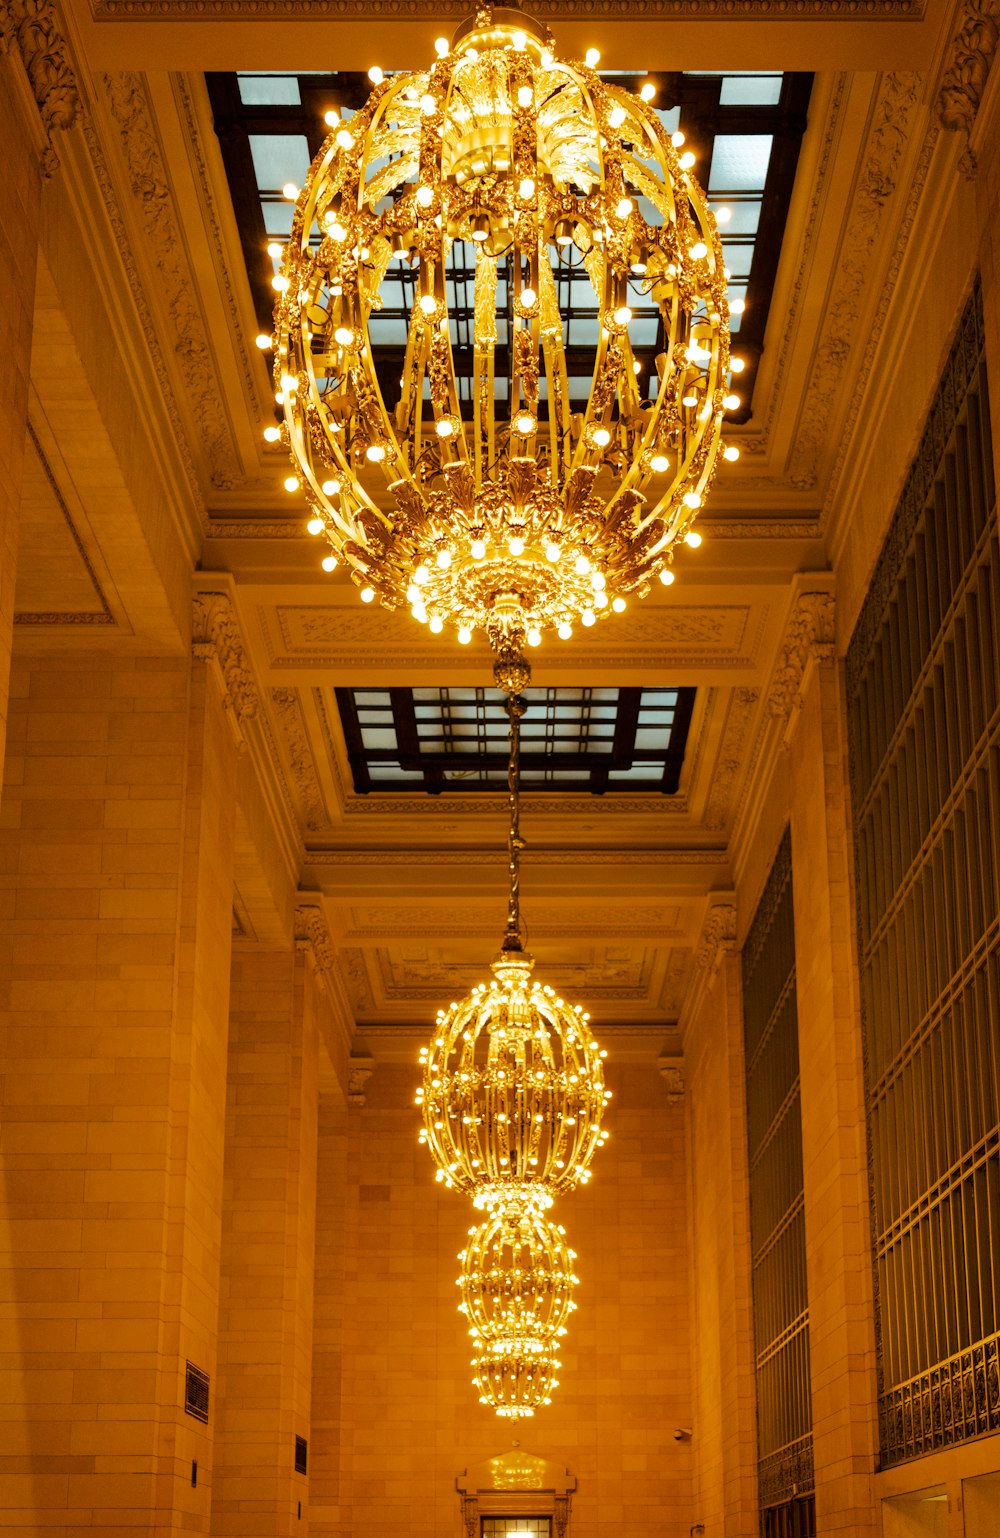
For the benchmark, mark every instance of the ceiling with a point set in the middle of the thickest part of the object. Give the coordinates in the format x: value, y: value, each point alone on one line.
x: 616, y: 887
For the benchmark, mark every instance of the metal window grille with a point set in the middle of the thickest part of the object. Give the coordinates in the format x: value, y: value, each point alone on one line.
x: 504, y: 1527
x: 777, y: 1226
x: 196, y: 1385
x: 924, y: 722
x: 301, y: 1455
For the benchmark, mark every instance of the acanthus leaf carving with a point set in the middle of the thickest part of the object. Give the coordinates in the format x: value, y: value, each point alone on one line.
x: 738, y: 721
x: 29, y: 27
x: 216, y: 638
x: 973, y: 50
x: 718, y: 936
x: 288, y: 713
x: 313, y: 936
x: 359, y: 1071
x: 809, y: 636
x: 672, y: 1074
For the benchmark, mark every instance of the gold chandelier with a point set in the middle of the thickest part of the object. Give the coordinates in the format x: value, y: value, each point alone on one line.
x: 534, y: 513
x: 512, y: 1097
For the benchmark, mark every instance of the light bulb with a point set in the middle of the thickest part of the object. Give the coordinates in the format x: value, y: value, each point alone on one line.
x: 737, y: 306
x: 330, y: 488
x: 534, y: 637
x: 602, y: 437
x: 425, y: 196
x: 367, y: 594
x: 618, y: 604
x: 345, y: 139
x: 698, y: 250
x: 428, y: 303
x: 598, y: 580
x: 419, y: 613
x: 691, y: 499
x: 376, y: 75
x: 659, y: 463
x: 723, y: 215
x: 528, y: 297
x: 564, y: 631
x: 587, y: 618
x: 375, y: 453
x: 344, y: 335
x: 616, y: 116
x: 677, y: 139
x: 737, y: 365
x: 436, y: 624
x: 593, y: 57
x: 581, y: 566
x: 552, y: 552
x: 336, y: 230
x: 413, y: 593
x: 667, y: 577
x: 272, y: 434
x: 292, y: 483
x: 624, y: 207
x: 274, y: 248
x: 444, y: 559
x: 264, y: 342
x: 329, y: 563
x: 464, y: 635
x: 647, y: 90
x: 526, y: 188
x: 525, y: 96
x: 524, y: 423
x: 692, y: 538
x: 546, y: 58
x: 731, y: 452
x: 441, y: 46
x: 445, y: 428
x: 290, y: 191
x: 331, y: 117
x: 422, y: 576
x: 315, y: 526
x: 600, y: 600
x: 427, y: 104
x: 687, y: 160
x: 516, y: 545
x: 519, y: 40
x: 623, y: 315
x: 689, y: 399
x: 279, y: 283
x: 732, y: 403
x: 478, y: 549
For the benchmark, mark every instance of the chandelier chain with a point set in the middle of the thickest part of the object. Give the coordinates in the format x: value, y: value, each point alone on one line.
x: 515, y: 706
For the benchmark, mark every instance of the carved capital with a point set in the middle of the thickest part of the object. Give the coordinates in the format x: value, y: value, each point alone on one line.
x: 672, y: 1074
x: 973, y: 50
x: 313, y: 937
x: 717, y: 937
x: 28, y: 28
x: 810, y: 636
x: 359, y: 1071
x: 216, y: 639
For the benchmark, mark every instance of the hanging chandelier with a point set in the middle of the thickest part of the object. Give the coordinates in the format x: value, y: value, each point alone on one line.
x: 479, y: 486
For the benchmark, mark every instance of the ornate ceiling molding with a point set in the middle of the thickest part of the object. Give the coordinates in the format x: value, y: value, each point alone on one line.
x: 973, y: 50
x: 477, y: 857
x: 216, y: 639
x: 28, y: 28
x: 132, y: 114
x: 741, y: 712
x: 725, y: 11
x: 809, y: 637
x: 894, y: 114
x: 718, y: 937
x: 288, y: 717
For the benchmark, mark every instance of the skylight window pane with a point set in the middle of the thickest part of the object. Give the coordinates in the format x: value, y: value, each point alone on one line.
x: 744, y: 217
x: 279, y: 158
x: 270, y: 90
x: 750, y: 91
x: 378, y: 739
x: 739, y: 162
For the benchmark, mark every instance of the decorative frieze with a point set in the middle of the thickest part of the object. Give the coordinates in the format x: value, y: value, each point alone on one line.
x: 216, y: 639
x: 973, y: 50
x: 28, y: 28
x: 359, y: 1071
x: 718, y: 937
x: 809, y: 637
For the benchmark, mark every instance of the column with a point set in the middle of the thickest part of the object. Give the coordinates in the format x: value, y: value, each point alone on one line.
x: 268, y: 1234
x: 37, y: 94
x: 116, y: 855
x: 725, y: 1426
x: 838, y: 1251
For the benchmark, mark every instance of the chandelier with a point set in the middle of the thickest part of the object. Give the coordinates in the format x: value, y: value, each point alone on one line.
x: 512, y: 1097
x: 475, y: 483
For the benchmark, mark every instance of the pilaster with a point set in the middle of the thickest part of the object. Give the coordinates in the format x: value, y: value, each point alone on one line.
x: 838, y: 1257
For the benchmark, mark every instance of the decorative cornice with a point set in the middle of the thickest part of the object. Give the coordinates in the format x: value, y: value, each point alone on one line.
x: 132, y: 115
x: 741, y: 712
x: 973, y: 50
x: 479, y: 857
x: 718, y: 937
x: 28, y: 27
x: 359, y: 1071
x: 216, y: 638
x: 894, y: 113
x: 809, y: 636
x: 288, y: 714
x: 557, y: 10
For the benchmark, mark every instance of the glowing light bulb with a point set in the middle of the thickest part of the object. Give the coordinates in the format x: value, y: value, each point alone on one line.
x: 677, y: 139
x: 691, y: 499
x: 419, y: 613
x: 525, y: 96
x: 600, y: 600
x: 528, y: 298
x: 445, y: 428
x: 315, y: 526
x: 667, y: 577
x: 272, y: 434
x: 279, y: 283
x: 534, y: 637
x: 376, y: 75
x: 344, y: 336
x: 732, y: 402
x: 331, y: 117
x: 737, y: 306
x: 616, y: 116
x: 647, y: 90
x: 552, y: 552
x: 436, y: 624
x: 337, y: 231
x: 581, y: 566
x: 292, y: 483
x: 367, y: 594
x: 329, y: 563
x: 264, y: 342
x: 444, y: 559
x: 478, y: 549
x: 692, y: 538
x: 593, y: 57
x: 659, y: 463
x: 421, y: 576
x: 345, y: 139
x: 731, y: 452
x: 602, y: 437
x: 598, y: 580
x: 623, y: 315
x: 427, y: 104
x: 516, y: 545
x: 290, y: 191
x: 524, y: 423
x: 687, y: 160
x: 330, y: 488
x: 689, y: 399
x: 526, y: 188
x: 587, y: 618
x: 464, y: 635
x: 618, y: 604
x: 564, y: 631
x: 737, y: 365
x: 441, y: 46
x: 723, y: 215
x: 413, y: 593
x: 428, y: 303
x: 425, y: 196
x: 274, y: 248
x: 624, y: 207
x: 698, y: 250
x: 375, y: 453
x: 546, y: 58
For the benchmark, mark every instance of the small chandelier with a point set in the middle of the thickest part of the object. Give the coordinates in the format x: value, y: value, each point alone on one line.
x: 475, y: 488
x: 512, y: 1098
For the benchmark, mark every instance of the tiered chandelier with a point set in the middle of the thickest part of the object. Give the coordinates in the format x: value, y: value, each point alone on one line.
x: 475, y: 488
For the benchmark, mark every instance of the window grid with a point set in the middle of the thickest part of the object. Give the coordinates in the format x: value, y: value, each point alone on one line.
x: 924, y: 722
x: 509, y: 1527
x: 777, y: 1218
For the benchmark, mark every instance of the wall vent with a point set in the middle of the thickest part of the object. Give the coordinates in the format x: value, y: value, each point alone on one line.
x: 301, y: 1455
x: 196, y: 1392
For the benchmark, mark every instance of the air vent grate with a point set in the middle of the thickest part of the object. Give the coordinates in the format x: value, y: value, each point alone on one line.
x: 196, y: 1392
x: 301, y: 1455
